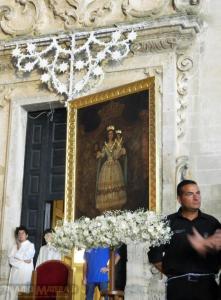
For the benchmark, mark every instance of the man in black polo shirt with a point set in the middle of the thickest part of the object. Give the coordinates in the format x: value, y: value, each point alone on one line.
x: 191, y: 276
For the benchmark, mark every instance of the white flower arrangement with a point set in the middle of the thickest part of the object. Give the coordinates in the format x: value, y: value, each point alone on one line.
x: 111, y: 230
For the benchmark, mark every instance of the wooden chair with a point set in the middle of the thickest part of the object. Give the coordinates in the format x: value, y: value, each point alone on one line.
x: 114, y: 295
x: 51, y: 280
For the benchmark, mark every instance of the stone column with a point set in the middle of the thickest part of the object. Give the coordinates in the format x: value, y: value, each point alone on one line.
x: 144, y: 282
x: 4, y: 126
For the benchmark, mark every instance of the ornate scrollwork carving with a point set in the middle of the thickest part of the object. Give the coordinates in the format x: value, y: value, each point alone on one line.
x: 184, y: 65
x: 156, y: 72
x: 67, y: 12
x: 97, y: 11
x: 4, y: 11
x: 5, y: 95
x: 140, y: 9
x: 21, y: 19
x: 188, y: 6
x: 154, y: 45
x: 86, y: 14
x: 101, y: 12
x: 182, y: 168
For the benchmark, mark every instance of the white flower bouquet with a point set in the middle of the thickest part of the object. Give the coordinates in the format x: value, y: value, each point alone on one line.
x: 112, y: 229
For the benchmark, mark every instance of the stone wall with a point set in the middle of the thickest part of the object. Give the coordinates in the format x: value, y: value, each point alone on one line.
x: 180, y: 46
x: 205, y: 115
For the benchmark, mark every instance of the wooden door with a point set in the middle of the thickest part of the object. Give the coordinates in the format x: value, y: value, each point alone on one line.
x: 44, y: 171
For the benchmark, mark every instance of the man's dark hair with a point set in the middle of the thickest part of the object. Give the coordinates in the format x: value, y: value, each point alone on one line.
x: 21, y: 228
x: 49, y: 230
x: 182, y: 184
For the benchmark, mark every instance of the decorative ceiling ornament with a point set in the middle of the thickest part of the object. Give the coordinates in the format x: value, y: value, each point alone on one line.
x: 73, y: 68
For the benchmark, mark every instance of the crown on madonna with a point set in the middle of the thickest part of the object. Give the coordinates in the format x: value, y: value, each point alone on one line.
x: 111, y: 127
x: 118, y: 131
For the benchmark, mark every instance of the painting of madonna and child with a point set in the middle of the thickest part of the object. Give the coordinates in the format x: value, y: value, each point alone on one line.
x: 112, y: 155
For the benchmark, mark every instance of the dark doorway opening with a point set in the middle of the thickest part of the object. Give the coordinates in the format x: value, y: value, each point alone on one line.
x: 44, y: 170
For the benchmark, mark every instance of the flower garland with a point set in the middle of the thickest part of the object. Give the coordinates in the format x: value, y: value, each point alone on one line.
x: 111, y: 230
x: 77, y: 68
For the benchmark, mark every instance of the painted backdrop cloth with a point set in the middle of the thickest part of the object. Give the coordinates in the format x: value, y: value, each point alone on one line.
x: 111, y: 192
x: 20, y: 273
x: 47, y: 252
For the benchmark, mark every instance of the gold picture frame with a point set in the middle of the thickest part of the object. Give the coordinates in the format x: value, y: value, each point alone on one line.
x: 106, y: 108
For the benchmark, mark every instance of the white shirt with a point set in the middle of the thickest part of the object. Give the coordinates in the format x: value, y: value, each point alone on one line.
x: 47, y: 252
x: 21, y: 271
x: 18, y: 256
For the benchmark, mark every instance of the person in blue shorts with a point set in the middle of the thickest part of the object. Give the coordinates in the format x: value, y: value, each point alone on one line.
x: 95, y: 271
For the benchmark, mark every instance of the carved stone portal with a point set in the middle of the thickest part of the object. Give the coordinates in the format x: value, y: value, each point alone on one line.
x: 39, y: 17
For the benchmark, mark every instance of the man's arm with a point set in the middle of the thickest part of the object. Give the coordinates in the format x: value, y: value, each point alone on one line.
x: 85, y: 272
x: 155, y: 256
x: 116, y: 260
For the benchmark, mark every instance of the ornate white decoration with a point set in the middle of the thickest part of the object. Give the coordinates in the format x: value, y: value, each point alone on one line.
x: 184, y: 65
x: 74, y: 70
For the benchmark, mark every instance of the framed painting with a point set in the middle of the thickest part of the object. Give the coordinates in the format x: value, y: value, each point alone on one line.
x: 111, y: 151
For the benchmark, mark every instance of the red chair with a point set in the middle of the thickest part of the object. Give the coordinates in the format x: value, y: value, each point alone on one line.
x: 51, y: 280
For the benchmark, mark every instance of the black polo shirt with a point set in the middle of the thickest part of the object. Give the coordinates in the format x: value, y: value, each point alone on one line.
x: 178, y: 257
